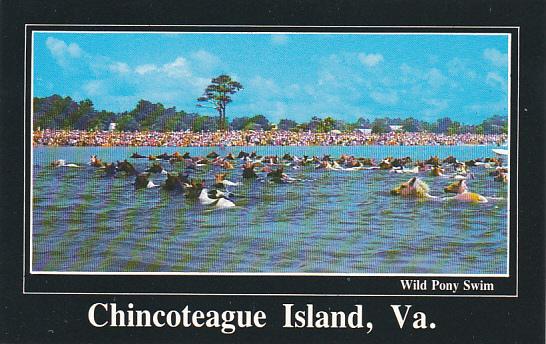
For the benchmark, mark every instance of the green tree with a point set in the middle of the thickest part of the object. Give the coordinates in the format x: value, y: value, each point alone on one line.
x: 198, y: 124
x: 443, y: 124
x: 327, y: 124
x: 454, y: 128
x: 55, y: 112
x: 83, y: 108
x: 363, y: 123
x: 379, y: 126
x: 430, y: 127
x: 151, y: 118
x: 301, y: 127
x: 100, y: 120
x: 218, y: 95
x: 126, y: 122
x: 411, y: 125
x: 287, y: 124
x: 260, y: 120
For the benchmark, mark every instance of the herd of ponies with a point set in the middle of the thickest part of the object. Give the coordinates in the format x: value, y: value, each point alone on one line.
x: 274, y: 169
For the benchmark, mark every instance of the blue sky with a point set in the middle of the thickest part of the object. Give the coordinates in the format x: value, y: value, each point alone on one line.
x: 292, y: 76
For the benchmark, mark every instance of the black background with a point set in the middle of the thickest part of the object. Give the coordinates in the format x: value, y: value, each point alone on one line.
x: 63, y: 318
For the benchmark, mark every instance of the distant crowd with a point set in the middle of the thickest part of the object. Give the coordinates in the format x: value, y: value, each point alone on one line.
x: 50, y: 137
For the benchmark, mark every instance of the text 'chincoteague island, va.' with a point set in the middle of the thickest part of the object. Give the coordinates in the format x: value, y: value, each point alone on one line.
x: 229, y: 321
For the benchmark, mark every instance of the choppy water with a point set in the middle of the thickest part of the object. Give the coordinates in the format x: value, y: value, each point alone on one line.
x: 332, y: 222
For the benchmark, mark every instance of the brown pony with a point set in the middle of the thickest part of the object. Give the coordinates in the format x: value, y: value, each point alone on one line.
x: 96, y: 162
x: 436, y: 171
x: 412, y: 188
x: 248, y: 170
x: 218, y: 179
x: 463, y: 194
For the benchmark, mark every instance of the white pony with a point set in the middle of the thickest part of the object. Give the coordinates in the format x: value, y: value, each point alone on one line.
x: 62, y: 163
x: 220, y: 202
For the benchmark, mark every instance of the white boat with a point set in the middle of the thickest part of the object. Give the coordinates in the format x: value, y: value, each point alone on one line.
x: 501, y: 151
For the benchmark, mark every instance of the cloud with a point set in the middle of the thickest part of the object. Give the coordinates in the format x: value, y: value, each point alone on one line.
x: 370, y: 60
x: 433, y: 59
x: 279, y: 39
x: 199, y: 82
x: 179, y: 68
x: 167, y: 83
x: 488, y: 107
x: 435, y: 78
x: 431, y: 78
x: 326, y: 77
x: 268, y: 89
x: 458, y: 67
x: 406, y: 68
x: 495, y: 57
x: 104, y: 67
x: 495, y: 80
x: 409, y: 74
x: 277, y: 110
x: 119, y: 67
x: 385, y: 98
x: 62, y: 52
x: 74, y: 50
x: 436, y: 107
x: 176, y: 78
x: 94, y: 88
x: 341, y: 74
x: 439, y: 103
x: 264, y: 87
x: 145, y: 68
x: 205, y: 59
x: 293, y: 90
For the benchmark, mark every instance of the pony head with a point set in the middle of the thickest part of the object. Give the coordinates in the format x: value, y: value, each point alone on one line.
x: 413, y: 188
x: 219, y: 177
x: 436, y: 171
x: 456, y: 187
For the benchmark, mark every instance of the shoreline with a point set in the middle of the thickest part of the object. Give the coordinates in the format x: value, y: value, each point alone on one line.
x: 276, y: 138
x: 254, y: 146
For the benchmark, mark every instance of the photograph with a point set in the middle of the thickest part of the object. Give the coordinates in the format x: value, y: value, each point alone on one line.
x: 270, y: 152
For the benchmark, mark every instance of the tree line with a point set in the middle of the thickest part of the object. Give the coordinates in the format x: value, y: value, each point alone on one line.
x: 56, y: 112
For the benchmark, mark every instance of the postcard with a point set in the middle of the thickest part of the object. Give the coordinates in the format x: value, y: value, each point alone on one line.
x: 234, y: 182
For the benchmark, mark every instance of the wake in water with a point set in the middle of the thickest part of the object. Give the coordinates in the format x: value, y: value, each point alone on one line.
x: 419, y: 189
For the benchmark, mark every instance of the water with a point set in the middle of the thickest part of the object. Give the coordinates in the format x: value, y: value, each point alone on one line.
x: 331, y: 222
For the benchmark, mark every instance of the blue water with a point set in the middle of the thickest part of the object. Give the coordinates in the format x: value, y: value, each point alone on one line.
x: 331, y: 222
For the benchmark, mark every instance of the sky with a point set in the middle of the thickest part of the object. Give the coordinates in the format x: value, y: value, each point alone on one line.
x: 293, y: 76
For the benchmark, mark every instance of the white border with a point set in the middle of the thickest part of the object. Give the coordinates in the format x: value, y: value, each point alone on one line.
x: 509, y: 95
